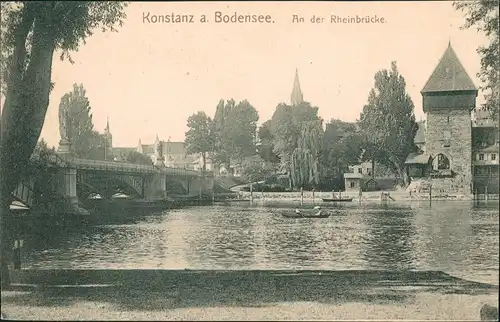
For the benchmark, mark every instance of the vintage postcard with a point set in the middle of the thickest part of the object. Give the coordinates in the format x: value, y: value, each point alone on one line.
x: 249, y: 160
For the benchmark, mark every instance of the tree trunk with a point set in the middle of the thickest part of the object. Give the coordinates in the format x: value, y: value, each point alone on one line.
x: 402, y: 174
x: 23, y: 115
x: 203, y: 155
x: 373, y: 168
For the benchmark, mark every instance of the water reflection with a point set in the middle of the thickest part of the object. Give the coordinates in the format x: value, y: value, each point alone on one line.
x: 388, y: 239
x: 452, y: 237
x: 225, y: 235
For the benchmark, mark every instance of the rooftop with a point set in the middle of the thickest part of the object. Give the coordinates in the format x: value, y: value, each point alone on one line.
x: 417, y: 158
x: 489, y: 149
x: 449, y: 75
x: 348, y: 175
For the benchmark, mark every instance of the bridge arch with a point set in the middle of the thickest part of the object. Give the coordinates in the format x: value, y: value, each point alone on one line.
x: 106, y: 185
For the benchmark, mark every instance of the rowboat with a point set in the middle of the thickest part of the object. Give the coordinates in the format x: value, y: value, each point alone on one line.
x: 300, y: 214
x: 337, y: 199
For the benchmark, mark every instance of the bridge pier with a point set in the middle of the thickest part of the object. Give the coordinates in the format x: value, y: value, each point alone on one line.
x: 201, y: 185
x: 155, y: 187
x: 66, y: 187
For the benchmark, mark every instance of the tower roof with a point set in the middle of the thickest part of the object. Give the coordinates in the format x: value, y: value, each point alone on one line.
x: 449, y: 75
x: 296, y: 97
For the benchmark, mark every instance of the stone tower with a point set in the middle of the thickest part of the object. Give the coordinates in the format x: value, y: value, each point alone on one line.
x: 108, y: 141
x: 449, y: 96
x: 296, y: 97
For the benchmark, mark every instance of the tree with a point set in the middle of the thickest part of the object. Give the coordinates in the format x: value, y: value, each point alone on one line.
x: 235, y: 127
x: 220, y: 121
x: 341, y: 148
x: 200, y: 136
x: 484, y: 15
x: 286, y: 127
x: 240, y: 131
x: 266, y: 146
x: 138, y: 158
x: 31, y: 34
x: 256, y: 169
x: 388, y: 122
x: 85, y: 142
x: 304, y: 165
x: 42, y: 174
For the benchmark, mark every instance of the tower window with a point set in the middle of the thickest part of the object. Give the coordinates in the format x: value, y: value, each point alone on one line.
x: 448, y: 119
x: 493, y: 157
x: 441, y: 162
x: 481, y: 157
x: 447, y: 138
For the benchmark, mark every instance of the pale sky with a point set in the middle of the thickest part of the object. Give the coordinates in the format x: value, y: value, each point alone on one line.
x: 149, y: 78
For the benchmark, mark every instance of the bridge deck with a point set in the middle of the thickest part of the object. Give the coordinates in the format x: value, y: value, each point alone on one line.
x: 98, y: 165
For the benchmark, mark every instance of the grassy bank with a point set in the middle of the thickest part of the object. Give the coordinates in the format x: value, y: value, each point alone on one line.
x: 244, y: 295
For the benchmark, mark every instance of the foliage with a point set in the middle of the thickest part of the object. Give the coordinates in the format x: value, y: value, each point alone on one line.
x: 387, y: 122
x: 235, y: 128
x: 42, y: 149
x: 256, y: 169
x: 85, y: 142
x: 138, y: 158
x: 304, y: 167
x: 341, y: 148
x: 286, y: 127
x: 200, y: 137
x: 266, y: 140
x: 41, y: 173
x: 240, y: 131
x: 31, y: 32
x: 220, y: 121
x: 484, y: 15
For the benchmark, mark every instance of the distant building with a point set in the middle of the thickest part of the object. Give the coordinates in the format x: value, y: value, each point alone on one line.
x: 235, y: 169
x: 354, y: 181
x: 364, y: 169
x: 363, y: 176
x: 459, y: 150
x: 174, y: 153
x: 121, y: 154
x: 198, y: 164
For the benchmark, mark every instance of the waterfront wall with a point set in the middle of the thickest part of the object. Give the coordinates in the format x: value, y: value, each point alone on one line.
x: 372, y: 195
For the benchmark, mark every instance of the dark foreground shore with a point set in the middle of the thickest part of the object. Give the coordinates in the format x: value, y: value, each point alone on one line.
x: 242, y: 295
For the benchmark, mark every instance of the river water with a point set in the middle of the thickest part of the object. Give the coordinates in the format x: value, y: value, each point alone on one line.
x: 457, y: 238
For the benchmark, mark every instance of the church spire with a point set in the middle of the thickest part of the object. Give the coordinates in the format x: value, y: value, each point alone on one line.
x: 107, y: 129
x: 296, y: 97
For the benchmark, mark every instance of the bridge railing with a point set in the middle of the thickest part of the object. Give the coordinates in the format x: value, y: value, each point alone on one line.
x: 127, y: 167
x: 120, y: 166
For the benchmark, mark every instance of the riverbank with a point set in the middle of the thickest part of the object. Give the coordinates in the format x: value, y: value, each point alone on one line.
x: 100, y: 211
x: 366, y: 196
x: 242, y: 295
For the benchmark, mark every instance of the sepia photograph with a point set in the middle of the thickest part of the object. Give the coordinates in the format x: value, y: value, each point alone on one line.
x: 258, y: 160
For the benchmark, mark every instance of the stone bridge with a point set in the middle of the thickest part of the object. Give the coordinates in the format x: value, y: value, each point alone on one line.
x: 76, y: 179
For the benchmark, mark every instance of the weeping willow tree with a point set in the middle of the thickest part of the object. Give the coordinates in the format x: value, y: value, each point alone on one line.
x: 304, y: 167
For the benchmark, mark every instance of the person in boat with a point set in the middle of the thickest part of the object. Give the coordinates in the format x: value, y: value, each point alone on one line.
x: 318, y: 208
